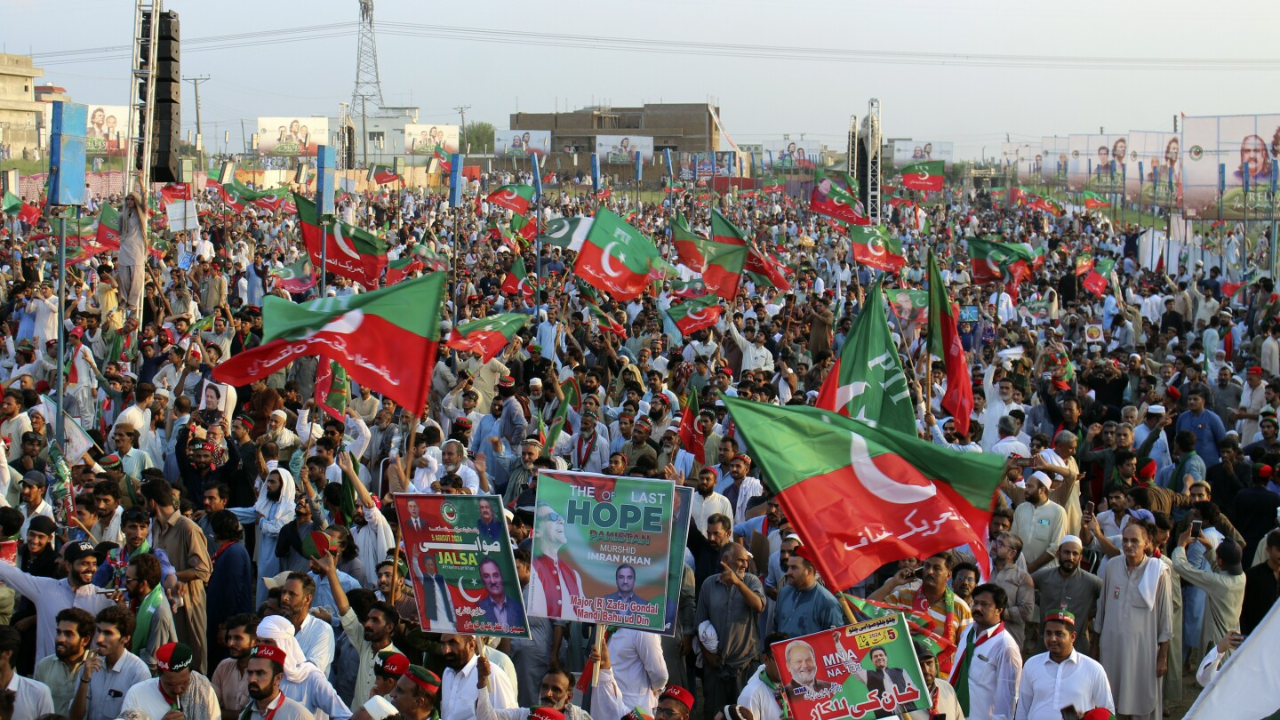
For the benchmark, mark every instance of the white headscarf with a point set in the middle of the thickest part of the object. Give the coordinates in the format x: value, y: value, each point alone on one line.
x: 281, y: 511
x: 280, y: 631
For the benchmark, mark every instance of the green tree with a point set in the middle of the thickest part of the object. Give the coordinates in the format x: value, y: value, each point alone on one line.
x: 479, y: 135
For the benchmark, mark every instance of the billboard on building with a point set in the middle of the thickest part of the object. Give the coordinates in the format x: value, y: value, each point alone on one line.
x: 1025, y: 156
x: 1056, y: 159
x: 616, y: 149
x: 521, y: 143
x: 1229, y: 163
x: 787, y: 155
x: 422, y: 139
x: 105, y: 132
x: 1097, y: 162
x: 1153, y: 169
x: 292, y: 136
x: 907, y: 151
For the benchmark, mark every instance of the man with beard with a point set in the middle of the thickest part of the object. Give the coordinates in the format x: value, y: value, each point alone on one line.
x: 660, y: 414
x: 50, y: 596
x: 61, y: 671
x: 588, y: 451
x: 732, y: 601
x: 110, y: 670
x: 462, y: 685
x: 988, y: 662
x: 371, y: 532
x: 416, y: 695
x: 369, y: 637
x: 230, y: 680
x: 520, y: 472
x: 1070, y: 586
x: 639, y: 447
x: 265, y: 672
x: 555, y: 693
x: 805, y: 606
x: 279, y: 433
x: 393, y: 587
x: 490, y: 527
x: 706, y: 501
x: 30, y: 699
x: 511, y: 425
x: 184, y: 543
x: 178, y: 693
x: 313, y: 635
x: 453, y: 459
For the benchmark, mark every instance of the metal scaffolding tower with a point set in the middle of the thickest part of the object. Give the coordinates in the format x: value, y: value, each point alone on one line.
x: 368, y: 89
x: 870, y: 135
x: 146, y: 34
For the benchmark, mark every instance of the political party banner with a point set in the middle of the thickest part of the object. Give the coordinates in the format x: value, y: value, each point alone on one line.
x: 910, y: 307
x: 1055, y: 161
x: 424, y: 139
x: 521, y: 143
x: 1026, y: 157
x: 1229, y: 164
x: 675, y: 570
x: 601, y: 549
x: 865, y: 670
x: 909, y: 151
x: 621, y: 149
x: 291, y: 136
x: 105, y: 133
x: 1153, y: 170
x: 1091, y: 167
x: 461, y: 565
x: 789, y: 155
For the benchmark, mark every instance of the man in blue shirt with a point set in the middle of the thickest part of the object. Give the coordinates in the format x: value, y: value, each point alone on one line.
x: 804, y: 606
x: 1206, y: 425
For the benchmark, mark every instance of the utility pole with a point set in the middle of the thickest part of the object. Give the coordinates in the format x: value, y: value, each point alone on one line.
x: 195, y: 83
x: 462, y: 132
x: 364, y: 128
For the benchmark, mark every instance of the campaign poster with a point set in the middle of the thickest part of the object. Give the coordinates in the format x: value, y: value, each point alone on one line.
x: 910, y: 307
x: 1097, y: 163
x: 1153, y: 170
x: 866, y: 670
x: 461, y: 565
x: 521, y: 143
x: 424, y: 139
x: 105, y: 133
x: 622, y: 149
x: 909, y: 151
x: 789, y: 155
x: 1056, y: 157
x: 601, y: 549
x: 291, y: 136
x: 1024, y: 157
x: 1230, y: 166
x: 675, y: 570
x: 220, y: 397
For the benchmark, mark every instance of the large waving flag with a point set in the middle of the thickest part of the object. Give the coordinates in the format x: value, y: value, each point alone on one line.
x: 488, y: 335
x: 863, y: 496
x: 867, y: 382
x: 296, y: 278
x: 383, y: 344
x: 695, y: 314
x: 515, y: 198
x: 830, y: 199
x: 353, y: 253
x: 616, y: 258
x: 944, y: 342
x: 924, y: 175
x: 876, y: 247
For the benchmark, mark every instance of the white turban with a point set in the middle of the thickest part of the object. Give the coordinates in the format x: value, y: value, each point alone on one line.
x: 280, y: 631
x: 277, y: 514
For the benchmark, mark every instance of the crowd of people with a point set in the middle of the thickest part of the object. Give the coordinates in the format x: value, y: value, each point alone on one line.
x: 166, y: 573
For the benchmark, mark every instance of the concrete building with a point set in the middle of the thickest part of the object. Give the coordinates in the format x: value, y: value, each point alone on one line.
x: 20, y: 114
x: 678, y: 127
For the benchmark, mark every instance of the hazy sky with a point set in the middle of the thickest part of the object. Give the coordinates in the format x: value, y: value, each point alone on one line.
x: 760, y: 98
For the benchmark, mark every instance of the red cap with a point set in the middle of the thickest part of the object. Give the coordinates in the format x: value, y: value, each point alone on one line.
x: 77, y: 332
x: 1255, y: 370
x: 546, y: 713
x: 679, y: 694
x: 1148, y: 471
x: 1172, y: 392
x: 269, y: 652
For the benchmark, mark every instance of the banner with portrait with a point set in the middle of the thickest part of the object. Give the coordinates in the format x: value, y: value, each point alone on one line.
x: 1153, y: 170
x: 789, y: 155
x: 105, y: 133
x: 1056, y: 158
x: 621, y: 149
x: 910, y: 307
x: 601, y: 549
x: 424, y: 139
x: 291, y: 136
x: 1025, y: 157
x: 521, y: 143
x: 1097, y: 163
x: 909, y: 151
x: 865, y: 670
x: 461, y: 565
x: 1229, y: 166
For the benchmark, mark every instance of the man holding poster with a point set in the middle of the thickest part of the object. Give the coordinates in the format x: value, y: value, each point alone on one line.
x: 601, y: 549
x: 460, y: 574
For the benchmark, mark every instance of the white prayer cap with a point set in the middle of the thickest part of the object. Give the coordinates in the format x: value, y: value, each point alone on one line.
x: 1070, y: 540
x: 279, y: 413
x: 1042, y: 478
x: 1155, y: 409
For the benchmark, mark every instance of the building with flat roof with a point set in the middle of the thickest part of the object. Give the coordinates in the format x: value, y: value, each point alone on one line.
x: 21, y: 114
x: 678, y: 127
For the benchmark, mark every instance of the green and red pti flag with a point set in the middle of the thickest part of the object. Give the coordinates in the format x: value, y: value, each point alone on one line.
x: 830, y: 199
x: 688, y: 244
x: 764, y: 270
x: 175, y: 191
x: 352, y: 253
x: 439, y: 154
x: 516, y: 198
x: 1093, y: 201
x: 695, y: 314
x: 867, y: 382
x: 332, y: 389
x: 1097, y: 279
x: 944, y: 342
x: 340, y: 329
x: 773, y: 185
x: 517, y: 280
x: 863, y: 496
x: 398, y: 270
x: 108, y: 235
x: 615, y: 258
x: 296, y: 278
x: 691, y: 436
x: 488, y: 335
x: 605, y: 320
x: 384, y: 175
x: 876, y: 247
x: 11, y: 204
x: 923, y: 175
x: 1084, y: 263
x: 993, y: 261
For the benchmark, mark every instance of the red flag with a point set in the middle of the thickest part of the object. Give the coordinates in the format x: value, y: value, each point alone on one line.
x: 29, y: 214
x: 691, y: 436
